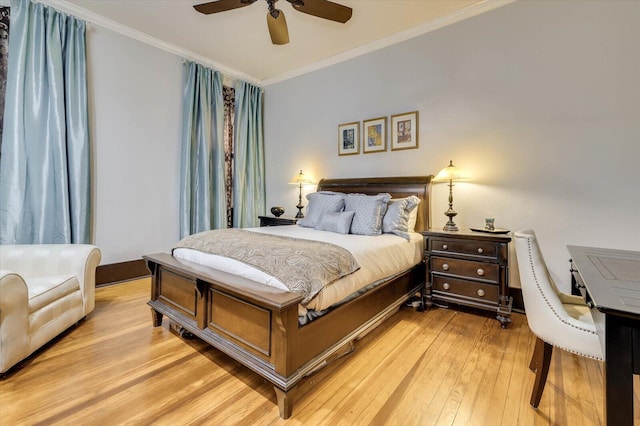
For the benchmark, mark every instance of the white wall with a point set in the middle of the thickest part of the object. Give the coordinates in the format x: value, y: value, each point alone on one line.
x: 539, y: 101
x: 135, y: 107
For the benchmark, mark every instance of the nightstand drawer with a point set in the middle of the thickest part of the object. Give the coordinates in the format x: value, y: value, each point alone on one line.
x: 486, y: 249
x: 466, y: 268
x: 464, y: 288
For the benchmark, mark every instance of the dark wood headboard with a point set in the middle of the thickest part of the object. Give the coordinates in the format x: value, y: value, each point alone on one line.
x: 398, y: 187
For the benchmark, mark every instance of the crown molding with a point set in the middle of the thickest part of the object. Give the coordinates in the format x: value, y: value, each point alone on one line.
x: 410, y: 33
x: 109, y: 24
x: 233, y: 74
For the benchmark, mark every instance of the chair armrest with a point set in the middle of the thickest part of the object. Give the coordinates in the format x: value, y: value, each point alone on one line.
x: 14, y: 322
x: 40, y: 260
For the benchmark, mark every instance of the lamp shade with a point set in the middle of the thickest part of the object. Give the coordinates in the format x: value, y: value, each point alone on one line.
x: 451, y: 173
x: 300, y: 179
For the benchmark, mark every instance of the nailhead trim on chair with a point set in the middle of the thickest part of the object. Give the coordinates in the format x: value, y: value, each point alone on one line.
x: 551, y: 307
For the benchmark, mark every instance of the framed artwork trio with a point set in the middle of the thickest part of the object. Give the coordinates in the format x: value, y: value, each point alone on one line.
x: 403, y: 129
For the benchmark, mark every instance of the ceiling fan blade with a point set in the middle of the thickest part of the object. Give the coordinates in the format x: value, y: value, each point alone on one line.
x: 221, y: 5
x: 323, y: 9
x: 278, y: 27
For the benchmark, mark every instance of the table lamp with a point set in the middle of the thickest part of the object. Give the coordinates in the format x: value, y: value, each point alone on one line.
x: 450, y: 173
x: 300, y: 179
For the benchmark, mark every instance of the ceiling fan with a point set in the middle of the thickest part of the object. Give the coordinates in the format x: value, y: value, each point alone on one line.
x: 275, y: 18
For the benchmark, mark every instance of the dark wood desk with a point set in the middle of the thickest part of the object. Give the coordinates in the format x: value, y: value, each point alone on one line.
x: 610, y: 282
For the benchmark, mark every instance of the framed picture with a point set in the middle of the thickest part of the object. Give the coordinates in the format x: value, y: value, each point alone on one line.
x: 374, y: 135
x: 404, y: 131
x: 349, y: 138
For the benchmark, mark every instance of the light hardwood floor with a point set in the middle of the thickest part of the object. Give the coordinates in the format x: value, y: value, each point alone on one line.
x: 439, y: 367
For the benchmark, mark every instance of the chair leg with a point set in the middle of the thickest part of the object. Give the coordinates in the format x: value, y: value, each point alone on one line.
x: 533, y: 364
x: 540, y: 362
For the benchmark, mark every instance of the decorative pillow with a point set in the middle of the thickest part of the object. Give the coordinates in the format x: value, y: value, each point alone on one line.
x: 413, y: 219
x: 320, y: 203
x: 369, y: 210
x: 339, y: 222
x: 396, y: 219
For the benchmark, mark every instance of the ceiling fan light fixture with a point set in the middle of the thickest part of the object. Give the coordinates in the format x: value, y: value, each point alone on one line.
x: 277, y: 27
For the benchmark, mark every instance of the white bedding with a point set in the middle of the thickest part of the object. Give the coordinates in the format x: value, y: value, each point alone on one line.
x: 379, y: 257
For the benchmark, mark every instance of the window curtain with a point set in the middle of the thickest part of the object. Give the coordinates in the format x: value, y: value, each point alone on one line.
x: 44, y: 171
x: 229, y: 95
x: 248, y: 181
x: 4, y: 51
x: 202, y: 185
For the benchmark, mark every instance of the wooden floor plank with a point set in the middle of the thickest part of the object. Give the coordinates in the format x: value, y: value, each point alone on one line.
x: 487, y: 344
x: 447, y: 397
x: 519, y: 378
x: 443, y: 366
x: 430, y: 375
x: 389, y: 381
x: 332, y: 391
x: 409, y: 399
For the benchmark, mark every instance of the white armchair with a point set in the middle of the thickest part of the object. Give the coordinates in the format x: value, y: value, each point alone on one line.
x: 44, y: 289
x: 557, y: 319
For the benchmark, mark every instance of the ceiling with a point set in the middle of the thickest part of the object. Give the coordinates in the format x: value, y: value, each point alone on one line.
x: 237, y: 42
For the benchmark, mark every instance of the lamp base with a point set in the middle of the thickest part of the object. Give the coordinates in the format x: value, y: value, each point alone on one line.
x: 450, y: 225
x: 451, y: 213
x: 299, y: 215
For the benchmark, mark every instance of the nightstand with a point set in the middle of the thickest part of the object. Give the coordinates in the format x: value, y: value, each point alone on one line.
x: 277, y: 221
x: 469, y: 268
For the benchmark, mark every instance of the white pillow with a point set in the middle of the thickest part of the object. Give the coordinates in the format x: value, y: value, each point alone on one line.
x: 396, y: 219
x: 369, y: 211
x: 339, y: 222
x: 320, y: 203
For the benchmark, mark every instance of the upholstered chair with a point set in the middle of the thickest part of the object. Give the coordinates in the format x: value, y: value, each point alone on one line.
x: 555, y: 318
x: 44, y: 289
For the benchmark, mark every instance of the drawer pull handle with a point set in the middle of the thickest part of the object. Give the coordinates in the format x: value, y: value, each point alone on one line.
x: 445, y: 266
x: 445, y: 247
x: 480, y: 251
x: 446, y: 286
x: 480, y: 271
x: 481, y: 292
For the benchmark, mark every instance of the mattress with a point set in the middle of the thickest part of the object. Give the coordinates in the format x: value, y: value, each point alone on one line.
x: 380, y: 257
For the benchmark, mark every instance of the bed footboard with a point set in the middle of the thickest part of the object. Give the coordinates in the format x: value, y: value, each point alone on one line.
x: 258, y: 326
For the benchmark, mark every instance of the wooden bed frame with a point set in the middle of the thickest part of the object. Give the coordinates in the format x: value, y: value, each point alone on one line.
x: 258, y: 326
